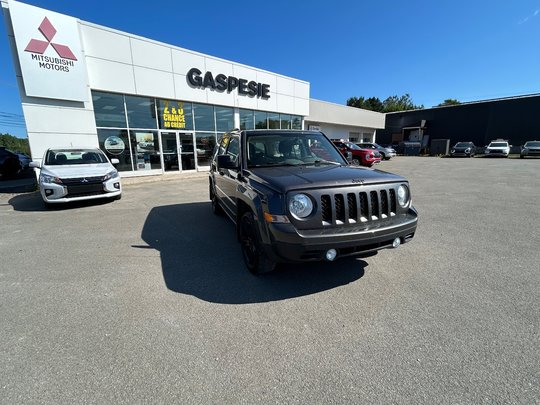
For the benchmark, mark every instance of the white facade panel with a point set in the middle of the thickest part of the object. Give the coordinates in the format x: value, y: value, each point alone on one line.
x: 150, y: 82
x: 267, y: 78
x: 40, y: 142
x: 216, y: 67
x: 269, y: 104
x: 110, y: 76
x: 301, y: 106
x: 285, y: 104
x: 321, y: 111
x: 334, y: 131
x: 185, y: 93
x: 247, y: 102
x: 220, y: 98
x: 285, y: 86
x: 183, y: 61
x: 301, y: 90
x: 105, y: 44
x: 244, y: 72
x: 53, y: 119
x: 151, y: 55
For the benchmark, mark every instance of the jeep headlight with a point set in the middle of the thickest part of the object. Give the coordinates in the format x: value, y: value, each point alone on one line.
x: 300, y: 206
x: 111, y: 175
x: 403, y: 195
x: 45, y: 178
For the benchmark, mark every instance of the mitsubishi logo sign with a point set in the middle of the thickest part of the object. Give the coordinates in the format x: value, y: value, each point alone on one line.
x: 50, y: 53
x: 48, y: 31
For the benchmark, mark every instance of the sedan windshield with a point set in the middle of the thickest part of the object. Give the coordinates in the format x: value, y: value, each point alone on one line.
x: 60, y: 157
x: 498, y: 145
x: 532, y: 145
x: 463, y: 145
x: 290, y: 149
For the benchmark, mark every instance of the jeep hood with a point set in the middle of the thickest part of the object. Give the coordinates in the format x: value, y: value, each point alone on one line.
x: 287, y: 178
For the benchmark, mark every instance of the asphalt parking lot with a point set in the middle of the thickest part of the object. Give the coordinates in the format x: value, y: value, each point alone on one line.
x: 146, y: 300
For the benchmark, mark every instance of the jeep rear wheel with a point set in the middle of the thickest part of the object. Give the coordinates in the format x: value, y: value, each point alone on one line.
x: 255, y: 258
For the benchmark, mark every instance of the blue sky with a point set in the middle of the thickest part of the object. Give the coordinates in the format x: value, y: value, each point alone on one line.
x: 469, y: 50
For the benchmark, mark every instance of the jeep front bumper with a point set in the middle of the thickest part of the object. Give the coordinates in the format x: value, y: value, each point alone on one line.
x: 290, y: 245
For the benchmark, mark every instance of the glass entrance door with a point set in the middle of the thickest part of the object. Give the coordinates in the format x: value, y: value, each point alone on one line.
x: 186, y: 151
x: 169, y: 143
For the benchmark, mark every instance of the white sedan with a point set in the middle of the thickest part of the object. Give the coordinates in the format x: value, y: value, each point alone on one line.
x: 69, y: 174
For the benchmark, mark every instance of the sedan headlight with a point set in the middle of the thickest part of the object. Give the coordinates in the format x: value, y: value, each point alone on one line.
x: 453, y: 151
x: 300, y: 206
x: 45, y: 178
x: 403, y: 195
x: 467, y: 150
x: 111, y: 175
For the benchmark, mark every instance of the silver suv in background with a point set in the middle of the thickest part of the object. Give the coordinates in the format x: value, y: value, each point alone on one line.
x: 498, y: 147
x: 531, y: 148
x: 386, y: 153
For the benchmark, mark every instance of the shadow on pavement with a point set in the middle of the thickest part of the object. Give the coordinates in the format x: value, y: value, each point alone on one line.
x: 34, y: 202
x: 200, y: 256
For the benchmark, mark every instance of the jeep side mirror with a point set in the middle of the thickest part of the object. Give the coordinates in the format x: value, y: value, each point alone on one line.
x: 225, y: 162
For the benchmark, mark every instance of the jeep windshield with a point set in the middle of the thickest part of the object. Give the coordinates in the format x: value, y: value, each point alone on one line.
x: 291, y: 149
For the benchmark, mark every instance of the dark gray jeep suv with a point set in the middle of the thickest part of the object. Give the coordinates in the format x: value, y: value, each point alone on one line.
x: 294, y: 198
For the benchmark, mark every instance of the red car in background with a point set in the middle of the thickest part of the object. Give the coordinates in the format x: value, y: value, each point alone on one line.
x: 359, y: 156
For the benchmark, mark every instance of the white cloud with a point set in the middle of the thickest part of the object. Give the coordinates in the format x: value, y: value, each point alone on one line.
x: 529, y: 17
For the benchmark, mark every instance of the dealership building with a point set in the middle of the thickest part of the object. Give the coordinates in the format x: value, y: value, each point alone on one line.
x: 157, y: 108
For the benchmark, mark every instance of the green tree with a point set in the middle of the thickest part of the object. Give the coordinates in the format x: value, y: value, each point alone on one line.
x: 449, y: 101
x: 391, y: 104
x: 372, y: 103
x: 15, y: 144
x: 400, y: 103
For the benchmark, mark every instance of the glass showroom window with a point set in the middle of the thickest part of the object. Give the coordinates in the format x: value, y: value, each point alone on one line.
x: 296, y: 122
x: 204, y: 117
x: 247, y: 119
x: 261, y: 120
x: 145, y: 149
x: 109, y: 109
x: 115, y: 143
x: 205, y: 143
x: 273, y: 121
x: 174, y: 115
x: 285, y: 121
x: 224, y: 119
x: 141, y: 112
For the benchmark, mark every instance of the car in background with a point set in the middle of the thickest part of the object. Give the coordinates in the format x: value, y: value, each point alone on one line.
x: 386, y: 153
x: 531, y: 148
x: 466, y: 149
x: 498, y: 147
x: 69, y: 174
x: 24, y: 159
x: 359, y: 156
x: 10, y: 163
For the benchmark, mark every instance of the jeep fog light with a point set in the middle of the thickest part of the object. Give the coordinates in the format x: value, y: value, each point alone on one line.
x: 300, y: 206
x: 331, y: 255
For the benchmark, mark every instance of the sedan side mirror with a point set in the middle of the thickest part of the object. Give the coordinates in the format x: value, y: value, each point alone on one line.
x: 115, y: 161
x: 35, y: 165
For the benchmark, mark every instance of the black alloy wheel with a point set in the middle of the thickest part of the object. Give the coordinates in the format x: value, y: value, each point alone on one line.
x: 355, y: 162
x: 383, y: 156
x: 256, y: 260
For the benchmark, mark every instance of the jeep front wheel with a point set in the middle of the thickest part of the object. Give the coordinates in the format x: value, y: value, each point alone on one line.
x: 255, y: 258
x: 216, y: 208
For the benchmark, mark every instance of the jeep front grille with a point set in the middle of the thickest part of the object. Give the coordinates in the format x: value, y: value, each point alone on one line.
x: 360, y: 207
